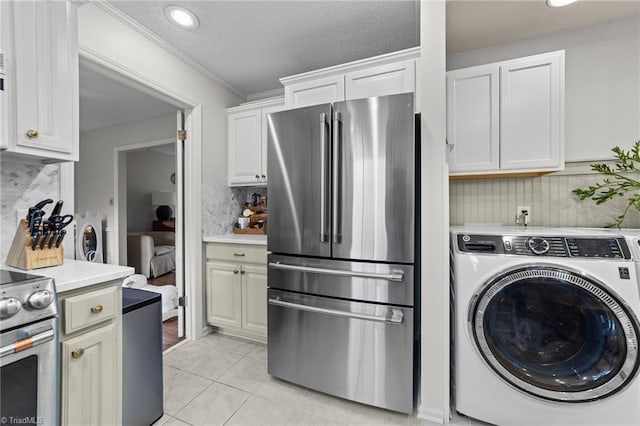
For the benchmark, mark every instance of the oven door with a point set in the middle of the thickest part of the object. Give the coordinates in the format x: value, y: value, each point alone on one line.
x: 29, y: 372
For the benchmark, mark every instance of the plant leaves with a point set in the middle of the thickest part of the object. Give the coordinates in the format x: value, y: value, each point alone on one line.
x: 618, y: 183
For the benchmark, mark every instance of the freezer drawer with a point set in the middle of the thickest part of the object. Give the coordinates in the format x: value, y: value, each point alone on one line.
x: 368, y: 282
x: 354, y: 350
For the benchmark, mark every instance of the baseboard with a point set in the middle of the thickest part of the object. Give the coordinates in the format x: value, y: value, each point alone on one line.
x: 431, y: 415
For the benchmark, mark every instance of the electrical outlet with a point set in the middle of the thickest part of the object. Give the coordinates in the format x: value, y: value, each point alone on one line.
x: 523, y: 215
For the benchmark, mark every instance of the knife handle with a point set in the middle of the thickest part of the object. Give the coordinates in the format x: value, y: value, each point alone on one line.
x: 43, y: 240
x: 43, y: 203
x: 35, y: 237
x: 61, y: 237
x: 57, y: 209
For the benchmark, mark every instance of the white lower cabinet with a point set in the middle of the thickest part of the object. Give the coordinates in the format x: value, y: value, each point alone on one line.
x: 254, y: 300
x: 237, y: 291
x: 224, y: 295
x: 89, y: 363
x: 91, y: 355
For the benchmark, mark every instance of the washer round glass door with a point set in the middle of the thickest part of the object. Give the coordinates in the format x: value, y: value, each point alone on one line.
x: 555, y: 334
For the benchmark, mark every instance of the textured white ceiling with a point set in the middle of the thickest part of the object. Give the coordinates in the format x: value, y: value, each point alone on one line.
x: 107, y: 103
x: 473, y: 24
x: 251, y: 44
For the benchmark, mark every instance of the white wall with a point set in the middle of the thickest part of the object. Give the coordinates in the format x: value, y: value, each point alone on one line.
x: 104, y: 36
x: 434, y: 263
x: 102, y: 33
x: 94, y: 171
x: 147, y: 171
x: 602, y: 81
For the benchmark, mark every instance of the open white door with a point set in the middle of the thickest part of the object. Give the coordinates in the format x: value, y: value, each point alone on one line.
x: 180, y: 252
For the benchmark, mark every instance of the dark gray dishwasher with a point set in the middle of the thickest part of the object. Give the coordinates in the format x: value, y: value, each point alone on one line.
x: 142, y: 357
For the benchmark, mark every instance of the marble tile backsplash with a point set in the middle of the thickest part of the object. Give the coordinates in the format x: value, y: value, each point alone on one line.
x: 23, y: 185
x: 221, y: 206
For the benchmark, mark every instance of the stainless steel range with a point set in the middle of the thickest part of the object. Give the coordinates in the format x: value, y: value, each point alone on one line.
x: 29, y: 362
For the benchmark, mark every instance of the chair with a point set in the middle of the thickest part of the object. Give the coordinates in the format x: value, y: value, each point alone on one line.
x: 151, y: 253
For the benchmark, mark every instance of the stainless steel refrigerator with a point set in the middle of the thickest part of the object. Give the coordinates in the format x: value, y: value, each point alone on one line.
x: 342, y: 243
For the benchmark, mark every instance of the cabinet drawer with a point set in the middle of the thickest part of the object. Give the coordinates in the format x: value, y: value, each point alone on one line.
x: 90, y: 308
x: 237, y: 253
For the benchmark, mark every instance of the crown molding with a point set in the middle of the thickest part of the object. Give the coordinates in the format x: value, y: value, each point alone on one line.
x: 154, y: 38
x: 273, y: 93
x: 261, y: 103
x: 401, y: 55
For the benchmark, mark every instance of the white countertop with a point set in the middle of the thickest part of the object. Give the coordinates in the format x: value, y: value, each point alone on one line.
x: 73, y: 274
x: 260, y: 240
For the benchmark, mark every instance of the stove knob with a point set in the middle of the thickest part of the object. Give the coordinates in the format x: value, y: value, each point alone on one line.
x: 9, y: 306
x: 538, y: 245
x: 40, y: 299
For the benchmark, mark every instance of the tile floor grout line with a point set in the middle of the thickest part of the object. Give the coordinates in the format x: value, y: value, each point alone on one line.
x: 189, y: 401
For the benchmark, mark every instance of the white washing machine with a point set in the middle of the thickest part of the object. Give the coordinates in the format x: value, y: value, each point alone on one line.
x: 545, y: 326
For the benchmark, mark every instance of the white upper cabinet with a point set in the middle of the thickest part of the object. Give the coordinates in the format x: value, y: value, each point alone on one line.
x: 398, y: 77
x: 320, y: 91
x: 507, y: 117
x: 473, y: 122
x: 40, y: 43
x: 247, y: 141
x: 378, y: 76
x: 532, y: 113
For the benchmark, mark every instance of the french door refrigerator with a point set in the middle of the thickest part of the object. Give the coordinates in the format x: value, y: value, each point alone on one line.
x: 342, y: 209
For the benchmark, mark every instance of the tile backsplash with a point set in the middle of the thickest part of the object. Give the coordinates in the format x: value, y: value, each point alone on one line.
x: 221, y: 206
x: 23, y: 185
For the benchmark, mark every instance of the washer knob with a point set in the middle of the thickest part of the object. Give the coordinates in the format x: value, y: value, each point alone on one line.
x: 40, y: 299
x: 538, y: 245
x: 9, y: 306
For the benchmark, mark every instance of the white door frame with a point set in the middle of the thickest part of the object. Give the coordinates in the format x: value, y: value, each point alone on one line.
x: 192, y: 177
x: 119, y: 243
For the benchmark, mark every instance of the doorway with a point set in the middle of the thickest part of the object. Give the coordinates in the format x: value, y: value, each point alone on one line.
x: 91, y: 189
x: 147, y: 186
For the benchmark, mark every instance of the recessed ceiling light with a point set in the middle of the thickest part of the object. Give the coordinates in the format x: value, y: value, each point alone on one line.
x: 559, y: 3
x: 182, y: 17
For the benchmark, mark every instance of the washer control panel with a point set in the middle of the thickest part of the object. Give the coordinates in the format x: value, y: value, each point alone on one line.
x: 553, y: 246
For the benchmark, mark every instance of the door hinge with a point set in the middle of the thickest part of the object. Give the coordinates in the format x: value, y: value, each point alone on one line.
x: 182, y: 135
x: 182, y: 301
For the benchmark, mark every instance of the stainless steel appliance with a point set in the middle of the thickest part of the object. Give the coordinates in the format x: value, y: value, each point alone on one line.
x: 29, y: 361
x: 342, y: 239
x: 142, y: 389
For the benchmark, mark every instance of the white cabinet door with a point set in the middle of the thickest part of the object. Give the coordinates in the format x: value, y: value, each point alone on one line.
x: 473, y: 119
x: 46, y: 78
x: 254, y: 299
x: 265, y: 128
x: 245, y: 147
x: 224, y: 293
x: 320, y: 91
x: 532, y: 112
x: 90, y: 378
x: 381, y: 80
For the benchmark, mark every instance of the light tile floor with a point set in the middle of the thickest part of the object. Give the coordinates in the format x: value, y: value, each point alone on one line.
x: 218, y: 380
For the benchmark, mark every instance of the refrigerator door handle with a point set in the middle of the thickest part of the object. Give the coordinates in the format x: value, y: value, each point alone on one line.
x: 394, y: 316
x: 324, y: 156
x: 397, y: 276
x: 336, y: 224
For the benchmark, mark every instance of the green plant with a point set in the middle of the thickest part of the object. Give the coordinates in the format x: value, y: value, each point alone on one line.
x: 619, y: 182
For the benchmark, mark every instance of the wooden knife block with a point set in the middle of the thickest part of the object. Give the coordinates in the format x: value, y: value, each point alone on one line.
x: 21, y: 256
